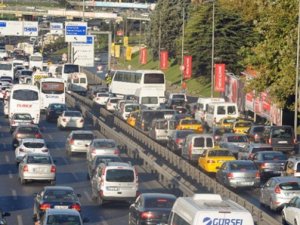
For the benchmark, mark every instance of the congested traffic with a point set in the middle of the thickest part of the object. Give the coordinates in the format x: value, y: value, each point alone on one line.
x: 209, y: 133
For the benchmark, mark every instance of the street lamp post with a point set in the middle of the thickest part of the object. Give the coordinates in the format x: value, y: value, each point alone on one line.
x: 297, y: 75
x: 182, y: 47
x: 83, y: 5
x: 212, y: 50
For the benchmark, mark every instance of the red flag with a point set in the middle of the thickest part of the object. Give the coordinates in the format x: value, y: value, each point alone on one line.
x: 220, y: 77
x: 143, y: 56
x: 187, y: 63
x: 164, y: 60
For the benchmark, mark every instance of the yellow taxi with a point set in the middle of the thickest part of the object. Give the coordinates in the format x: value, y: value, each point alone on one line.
x: 212, y: 159
x: 241, y: 127
x: 131, y: 120
x: 227, y: 122
x: 189, y: 123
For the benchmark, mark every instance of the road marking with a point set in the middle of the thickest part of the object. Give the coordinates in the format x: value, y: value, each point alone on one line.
x: 50, y: 137
x: 6, y: 158
x: 10, y: 175
x: 87, y: 196
x: 20, y: 220
x: 14, y: 193
x: 75, y: 176
x: 103, y: 220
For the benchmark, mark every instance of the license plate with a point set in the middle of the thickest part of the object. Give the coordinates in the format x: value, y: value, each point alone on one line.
x: 61, y: 207
x: 39, y: 170
x: 113, y: 188
x: 282, y: 142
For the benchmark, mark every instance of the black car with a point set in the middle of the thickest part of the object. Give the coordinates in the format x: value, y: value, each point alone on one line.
x: 25, y: 131
x: 151, y: 209
x: 54, y: 110
x: 55, y: 197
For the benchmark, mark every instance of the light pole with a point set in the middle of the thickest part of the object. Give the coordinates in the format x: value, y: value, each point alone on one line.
x: 297, y: 75
x: 212, y: 49
x: 83, y: 5
x: 182, y: 46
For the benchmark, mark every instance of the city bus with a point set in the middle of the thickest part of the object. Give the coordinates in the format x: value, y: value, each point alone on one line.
x: 126, y: 82
x: 52, y: 90
x: 24, y: 98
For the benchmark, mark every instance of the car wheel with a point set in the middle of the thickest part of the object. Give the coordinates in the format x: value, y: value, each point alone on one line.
x: 283, y: 218
x: 99, y: 200
x: 22, y: 181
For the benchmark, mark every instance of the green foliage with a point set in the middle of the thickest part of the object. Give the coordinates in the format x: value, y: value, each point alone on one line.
x: 274, y: 56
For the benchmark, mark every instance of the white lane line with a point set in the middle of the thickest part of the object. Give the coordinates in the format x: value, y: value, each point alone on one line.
x: 14, y: 193
x: 20, y: 220
x: 88, y: 197
x: 6, y: 158
x: 10, y: 175
x: 103, y: 220
x: 75, y: 176
x: 50, y: 137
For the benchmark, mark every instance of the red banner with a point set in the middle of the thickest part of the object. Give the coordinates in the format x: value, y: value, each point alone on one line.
x: 164, y: 60
x: 220, y: 77
x: 143, y: 56
x: 187, y: 63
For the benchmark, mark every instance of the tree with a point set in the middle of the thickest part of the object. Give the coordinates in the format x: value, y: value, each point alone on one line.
x: 274, y: 56
x: 166, y: 26
x: 231, y: 34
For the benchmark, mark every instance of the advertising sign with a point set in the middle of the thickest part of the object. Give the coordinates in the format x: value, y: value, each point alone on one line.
x: 164, y: 60
x: 187, y: 63
x: 220, y: 77
x: 56, y: 28
x: 143, y: 56
x: 117, y: 51
x: 125, y: 41
x: 11, y: 28
x: 30, y: 28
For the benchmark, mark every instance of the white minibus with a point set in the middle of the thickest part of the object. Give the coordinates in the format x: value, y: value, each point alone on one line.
x: 36, y: 60
x: 208, y: 209
x: 52, y: 90
x: 217, y: 111
x: 78, y: 82
x: 24, y: 98
x: 7, y: 69
x: 148, y: 97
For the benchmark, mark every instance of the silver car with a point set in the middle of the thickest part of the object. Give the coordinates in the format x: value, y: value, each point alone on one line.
x: 18, y: 119
x: 30, y: 145
x: 61, y: 216
x: 239, y: 174
x: 102, y: 147
x: 78, y: 141
x: 234, y: 142
x: 36, y: 166
x: 278, y: 191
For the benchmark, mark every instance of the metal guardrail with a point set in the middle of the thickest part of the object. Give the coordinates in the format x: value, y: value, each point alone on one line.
x: 165, y: 172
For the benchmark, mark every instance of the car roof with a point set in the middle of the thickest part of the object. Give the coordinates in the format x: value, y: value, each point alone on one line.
x: 157, y: 195
x: 119, y: 164
x: 200, y: 135
x: 62, y: 211
x: 258, y: 145
x: 285, y: 179
x: 37, y: 154
x: 36, y: 140
x: 58, y: 188
x: 103, y: 139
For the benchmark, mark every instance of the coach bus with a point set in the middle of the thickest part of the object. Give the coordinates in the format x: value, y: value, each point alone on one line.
x: 126, y: 82
x: 24, y: 98
x: 52, y: 90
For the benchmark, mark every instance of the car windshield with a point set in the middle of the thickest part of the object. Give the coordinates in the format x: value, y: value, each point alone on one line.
x: 218, y: 153
x: 258, y: 129
x: 83, y: 136
x: 104, y: 144
x: 106, y: 159
x: 28, y: 130
x: 55, y: 195
x: 189, y: 122
x: 38, y: 159
x: 164, y: 203
x: 119, y: 175
x: 130, y: 108
x: 242, y: 166
x: 290, y: 186
x: 274, y: 156
x: 63, y: 219
x: 22, y: 117
x: 34, y: 144
x: 237, y: 139
x: 72, y: 114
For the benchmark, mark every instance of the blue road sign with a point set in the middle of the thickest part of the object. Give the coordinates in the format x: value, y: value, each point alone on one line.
x: 76, y: 30
x: 2, y: 24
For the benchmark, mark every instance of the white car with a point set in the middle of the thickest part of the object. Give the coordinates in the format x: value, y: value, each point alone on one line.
x: 102, y: 147
x: 71, y: 119
x: 101, y: 98
x: 111, y: 103
x: 291, y: 211
x: 30, y: 145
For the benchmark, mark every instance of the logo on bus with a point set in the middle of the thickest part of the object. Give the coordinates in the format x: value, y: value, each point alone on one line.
x: 222, y: 221
x: 24, y: 105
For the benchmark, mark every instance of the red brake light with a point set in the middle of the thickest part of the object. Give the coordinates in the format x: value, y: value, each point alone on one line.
x: 76, y: 207
x: 257, y: 175
x: 25, y: 168
x: 71, y: 141
x: 81, y: 121
x: 270, y: 141
x: 53, y: 169
x: 147, y: 215
x: 117, y: 152
x: 45, y: 150
x: 178, y: 140
x: 263, y: 165
x: 38, y: 136
x: 277, y: 190
x: 230, y: 175
x: 45, y: 206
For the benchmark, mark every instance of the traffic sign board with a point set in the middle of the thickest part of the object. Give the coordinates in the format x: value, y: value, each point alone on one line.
x: 30, y: 28
x: 83, y: 52
x: 56, y: 28
x: 75, y: 31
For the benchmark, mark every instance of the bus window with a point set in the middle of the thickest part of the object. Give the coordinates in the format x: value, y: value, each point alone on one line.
x: 25, y: 95
x: 71, y: 68
x: 154, y: 78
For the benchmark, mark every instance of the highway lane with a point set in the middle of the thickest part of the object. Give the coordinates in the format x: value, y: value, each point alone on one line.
x: 71, y: 171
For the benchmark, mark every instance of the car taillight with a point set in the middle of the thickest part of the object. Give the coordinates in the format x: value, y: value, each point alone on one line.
x: 21, y: 149
x: 147, y: 215
x: 76, y: 207
x: 38, y: 136
x: 117, y: 152
x: 270, y: 141
x: 71, y: 141
x: 18, y: 135
x: 230, y: 175
x: 45, y: 206
x: 257, y: 175
x: 178, y: 140
x: 277, y: 190
x: 210, y: 161
x: 25, y: 168
x: 93, y: 151
x: 53, y: 169
x: 64, y: 120
x: 263, y: 165
x: 81, y: 121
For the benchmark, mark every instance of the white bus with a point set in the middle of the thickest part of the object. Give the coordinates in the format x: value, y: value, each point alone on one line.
x: 36, y: 60
x: 126, y: 82
x: 52, y: 90
x: 24, y: 98
x: 7, y: 69
x: 67, y: 69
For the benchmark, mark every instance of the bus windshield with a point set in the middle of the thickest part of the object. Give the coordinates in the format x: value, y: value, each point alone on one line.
x: 53, y: 88
x: 36, y: 58
x: 25, y: 95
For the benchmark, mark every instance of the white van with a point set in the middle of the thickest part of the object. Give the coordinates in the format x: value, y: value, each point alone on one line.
x: 115, y: 181
x: 78, y: 82
x: 202, y: 106
x: 220, y: 110
x: 7, y: 69
x: 149, y: 97
x: 36, y: 60
x: 208, y: 209
x: 67, y: 69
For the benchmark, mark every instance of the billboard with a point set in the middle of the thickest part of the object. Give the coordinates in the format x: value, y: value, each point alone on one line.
x: 220, y: 77
x: 164, y: 60
x: 187, y: 63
